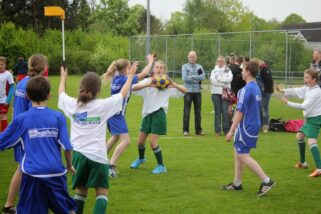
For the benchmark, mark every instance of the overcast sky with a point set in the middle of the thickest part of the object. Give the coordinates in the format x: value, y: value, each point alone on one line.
x: 266, y: 9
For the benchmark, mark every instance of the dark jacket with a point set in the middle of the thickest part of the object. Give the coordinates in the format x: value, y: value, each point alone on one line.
x: 237, y: 81
x: 267, y: 79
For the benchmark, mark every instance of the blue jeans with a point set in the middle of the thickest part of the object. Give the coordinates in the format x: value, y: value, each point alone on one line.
x: 196, y: 99
x: 265, y: 108
x: 221, y: 114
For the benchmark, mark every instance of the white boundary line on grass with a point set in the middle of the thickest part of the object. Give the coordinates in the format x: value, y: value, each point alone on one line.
x: 170, y: 138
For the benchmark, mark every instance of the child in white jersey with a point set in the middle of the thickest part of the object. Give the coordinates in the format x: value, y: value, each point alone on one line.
x: 311, y: 106
x: 154, y: 115
x: 88, y: 116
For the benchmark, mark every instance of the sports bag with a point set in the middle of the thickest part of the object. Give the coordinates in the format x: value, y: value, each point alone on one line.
x: 277, y: 125
x: 293, y: 125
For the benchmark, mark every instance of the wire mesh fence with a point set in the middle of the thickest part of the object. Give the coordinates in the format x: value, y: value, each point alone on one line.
x: 286, y: 52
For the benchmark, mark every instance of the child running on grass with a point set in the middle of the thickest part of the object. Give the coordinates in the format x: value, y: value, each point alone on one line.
x: 36, y: 65
x: 117, y: 125
x: 154, y: 115
x: 5, y: 77
x: 246, y: 126
x: 311, y: 106
x: 41, y: 132
x: 88, y: 116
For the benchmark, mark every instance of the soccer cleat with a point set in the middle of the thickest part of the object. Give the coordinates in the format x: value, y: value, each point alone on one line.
x: 265, y: 129
x: 136, y: 163
x: 113, y: 172
x: 9, y: 210
x: 315, y: 173
x: 186, y: 134
x: 301, y: 165
x: 265, y: 187
x: 201, y: 133
x: 159, y: 169
x: 231, y: 186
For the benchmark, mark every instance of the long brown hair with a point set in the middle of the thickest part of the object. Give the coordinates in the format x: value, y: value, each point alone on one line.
x: 119, y: 65
x: 37, y: 64
x: 89, y: 88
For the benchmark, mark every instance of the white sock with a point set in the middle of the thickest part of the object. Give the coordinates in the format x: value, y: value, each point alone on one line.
x: 237, y: 183
x: 266, y: 180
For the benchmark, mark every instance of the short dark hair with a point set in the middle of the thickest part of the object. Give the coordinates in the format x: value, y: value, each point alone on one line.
x: 252, y: 67
x: 38, y: 89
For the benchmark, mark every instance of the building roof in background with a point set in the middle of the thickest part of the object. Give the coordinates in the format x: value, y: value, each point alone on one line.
x: 312, y: 32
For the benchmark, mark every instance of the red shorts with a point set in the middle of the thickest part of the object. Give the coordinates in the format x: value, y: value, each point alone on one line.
x: 4, y: 108
x: 20, y: 77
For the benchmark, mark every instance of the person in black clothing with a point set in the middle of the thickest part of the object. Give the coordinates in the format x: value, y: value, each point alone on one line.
x: 21, y: 69
x: 316, y: 63
x: 268, y: 89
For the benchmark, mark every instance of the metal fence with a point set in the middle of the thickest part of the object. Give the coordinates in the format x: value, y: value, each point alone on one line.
x: 287, y: 52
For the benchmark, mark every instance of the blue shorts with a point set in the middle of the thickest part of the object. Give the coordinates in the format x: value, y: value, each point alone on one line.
x: 243, y: 142
x: 241, y: 148
x: 117, y: 125
x: 38, y: 195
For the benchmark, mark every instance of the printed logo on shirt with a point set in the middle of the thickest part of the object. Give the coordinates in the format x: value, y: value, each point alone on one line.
x: 43, y: 132
x: 83, y: 119
x: 19, y: 93
x: 258, y: 98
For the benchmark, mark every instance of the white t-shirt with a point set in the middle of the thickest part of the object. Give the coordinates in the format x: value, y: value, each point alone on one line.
x: 155, y: 99
x: 89, y: 124
x: 4, y: 78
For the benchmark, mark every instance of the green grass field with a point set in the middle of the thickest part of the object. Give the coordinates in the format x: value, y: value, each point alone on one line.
x: 198, y: 167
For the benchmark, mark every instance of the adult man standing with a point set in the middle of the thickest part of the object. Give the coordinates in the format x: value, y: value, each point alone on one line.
x: 316, y: 63
x: 192, y: 74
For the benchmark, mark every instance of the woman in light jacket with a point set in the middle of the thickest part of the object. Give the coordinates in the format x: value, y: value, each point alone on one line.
x: 221, y: 76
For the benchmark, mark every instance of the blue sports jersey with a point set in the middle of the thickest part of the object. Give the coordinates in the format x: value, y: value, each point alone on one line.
x: 116, y: 86
x: 21, y: 103
x: 41, y: 132
x: 249, y: 103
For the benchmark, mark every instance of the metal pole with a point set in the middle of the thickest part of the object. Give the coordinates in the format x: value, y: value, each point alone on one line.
x: 148, y: 29
x: 286, y: 56
x: 63, y: 40
x: 250, y: 54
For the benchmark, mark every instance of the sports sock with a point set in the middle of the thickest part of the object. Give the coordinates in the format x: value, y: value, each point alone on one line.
x: 237, y: 183
x: 266, y: 180
x: 80, y: 201
x: 141, y: 151
x: 316, y: 154
x: 4, y: 124
x: 301, y: 144
x: 101, y: 204
x: 158, y: 154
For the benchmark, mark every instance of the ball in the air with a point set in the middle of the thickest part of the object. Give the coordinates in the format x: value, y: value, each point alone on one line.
x: 161, y: 82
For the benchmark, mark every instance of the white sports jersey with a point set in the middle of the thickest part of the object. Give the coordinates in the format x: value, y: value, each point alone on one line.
x: 88, y: 124
x: 4, y: 78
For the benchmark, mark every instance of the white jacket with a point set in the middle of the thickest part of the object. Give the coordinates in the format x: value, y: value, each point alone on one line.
x: 220, y: 77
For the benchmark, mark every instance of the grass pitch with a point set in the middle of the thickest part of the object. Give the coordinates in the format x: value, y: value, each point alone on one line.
x: 197, y: 168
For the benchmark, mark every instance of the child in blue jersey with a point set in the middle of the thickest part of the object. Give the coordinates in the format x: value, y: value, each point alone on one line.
x: 246, y: 125
x: 117, y: 125
x: 88, y: 116
x: 311, y: 106
x: 154, y: 115
x: 5, y: 99
x: 21, y: 104
x: 42, y: 132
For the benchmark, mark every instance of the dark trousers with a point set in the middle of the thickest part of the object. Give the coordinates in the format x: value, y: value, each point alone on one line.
x: 196, y: 98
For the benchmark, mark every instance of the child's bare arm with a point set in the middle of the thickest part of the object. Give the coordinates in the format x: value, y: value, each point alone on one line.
x: 179, y: 87
x: 70, y: 167
x: 63, y: 78
x: 148, y: 67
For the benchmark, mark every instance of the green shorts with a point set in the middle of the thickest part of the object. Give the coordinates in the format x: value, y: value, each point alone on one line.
x: 154, y: 123
x: 89, y: 173
x: 311, y: 127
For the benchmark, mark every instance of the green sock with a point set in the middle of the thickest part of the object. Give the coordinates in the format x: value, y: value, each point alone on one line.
x: 301, y: 144
x: 80, y: 201
x: 101, y: 204
x: 141, y: 151
x: 316, y: 155
x: 158, y: 154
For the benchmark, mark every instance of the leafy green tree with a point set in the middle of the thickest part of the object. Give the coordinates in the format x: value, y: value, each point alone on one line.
x: 177, y: 24
x: 293, y: 18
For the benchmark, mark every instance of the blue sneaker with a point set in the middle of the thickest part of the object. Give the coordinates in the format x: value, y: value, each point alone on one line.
x: 136, y: 163
x: 159, y: 169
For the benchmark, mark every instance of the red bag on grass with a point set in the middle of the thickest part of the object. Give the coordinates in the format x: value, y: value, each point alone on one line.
x: 293, y: 125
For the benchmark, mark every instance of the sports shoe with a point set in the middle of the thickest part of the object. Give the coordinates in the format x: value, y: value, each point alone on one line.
x: 201, y: 133
x: 113, y: 172
x: 264, y: 188
x: 159, y: 169
x: 231, y: 186
x: 9, y: 210
x: 315, y: 173
x: 265, y: 129
x: 186, y: 134
x: 136, y: 163
x: 301, y: 165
